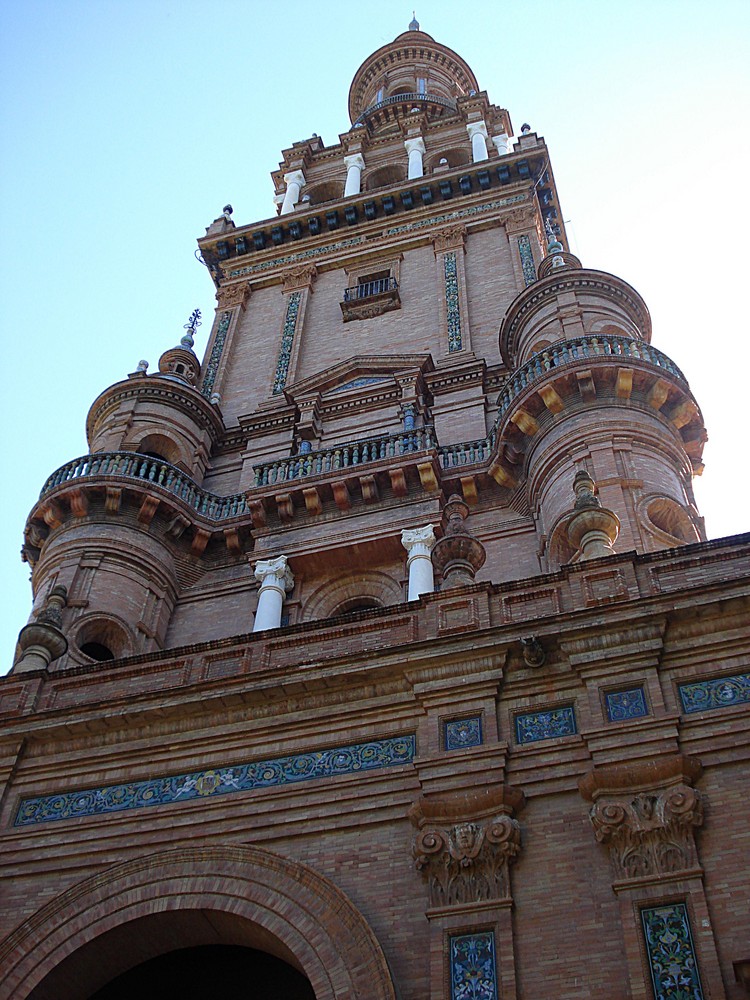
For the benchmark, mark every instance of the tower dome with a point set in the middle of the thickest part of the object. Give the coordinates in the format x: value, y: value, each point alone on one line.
x: 411, y: 71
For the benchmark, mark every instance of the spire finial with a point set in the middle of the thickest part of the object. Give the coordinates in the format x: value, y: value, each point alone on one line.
x: 192, y: 328
x: 414, y: 23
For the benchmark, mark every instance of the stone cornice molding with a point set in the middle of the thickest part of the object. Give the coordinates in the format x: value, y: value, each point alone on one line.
x: 537, y: 295
x: 645, y: 813
x: 156, y: 388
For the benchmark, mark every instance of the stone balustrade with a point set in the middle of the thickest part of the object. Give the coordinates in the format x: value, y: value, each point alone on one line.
x: 343, y: 456
x: 569, y: 352
x: 149, y: 471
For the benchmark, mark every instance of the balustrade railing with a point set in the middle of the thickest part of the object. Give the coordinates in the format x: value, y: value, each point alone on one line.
x: 405, y: 99
x: 367, y: 289
x: 142, y: 468
x: 344, y: 456
x: 466, y: 452
x: 581, y: 348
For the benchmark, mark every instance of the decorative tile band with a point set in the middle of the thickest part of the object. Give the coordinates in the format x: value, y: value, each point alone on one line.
x: 630, y: 704
x: 473, y: 967
x: 357, y: 383
x: 720, y: 692
x: 461, y: 213
x: 534, y: 726
x: 527, y: 260
x: 216, y: 351
x: 292, y: 258
x: 219, y: 781
x: 451, y: 301
x: 408, y: 227
x: 460, y: 733
x: 287, y: 338
x: 671, y: 956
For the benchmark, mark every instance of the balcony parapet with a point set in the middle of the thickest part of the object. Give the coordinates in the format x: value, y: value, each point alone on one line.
x: 431, y: 103
x: 570, y: 352
x: 114, y: 465
x: 344, y: 456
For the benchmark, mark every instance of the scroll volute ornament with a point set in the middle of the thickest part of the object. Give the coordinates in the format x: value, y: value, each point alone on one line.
x: 645, y: 814
x: 464, y: 844
x: 237, y: 294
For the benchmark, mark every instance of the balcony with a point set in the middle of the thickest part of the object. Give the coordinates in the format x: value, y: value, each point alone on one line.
x: 398, y: 105
x: 370, y: 298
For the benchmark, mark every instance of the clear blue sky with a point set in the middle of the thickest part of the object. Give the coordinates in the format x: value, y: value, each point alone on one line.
x: 128, y: 124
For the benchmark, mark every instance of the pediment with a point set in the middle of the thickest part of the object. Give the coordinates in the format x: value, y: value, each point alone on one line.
x: 360, y: 374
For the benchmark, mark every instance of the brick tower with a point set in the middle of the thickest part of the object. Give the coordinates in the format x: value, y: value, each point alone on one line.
x: 381, y: 653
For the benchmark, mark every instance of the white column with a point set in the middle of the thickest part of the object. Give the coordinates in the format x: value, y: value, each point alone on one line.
x: 478, y: 135
x: 355, y: 164
x: 501, y: 143
x: 276, y: 580
x: 418, y: 542
x: 416, y: 149
x: 294, y: 181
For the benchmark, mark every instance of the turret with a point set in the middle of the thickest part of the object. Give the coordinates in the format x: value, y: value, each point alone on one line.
x: 122, y: 528
x: 587, y: 391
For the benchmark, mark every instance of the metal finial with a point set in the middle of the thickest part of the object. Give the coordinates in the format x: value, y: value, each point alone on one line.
x: 414, y: 23
x: 192, y: 328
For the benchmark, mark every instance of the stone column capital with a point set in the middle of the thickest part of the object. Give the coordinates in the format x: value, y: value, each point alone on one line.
x: 295, y: 177
x: 354, y: 160
x: 274, y: 573
x: 415, y: 145
x: 418, y: 541
x: 477, y: 128
x: 501, y: 142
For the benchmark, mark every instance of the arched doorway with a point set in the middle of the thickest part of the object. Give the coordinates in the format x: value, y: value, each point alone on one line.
x: 213, y: 970
x: 236, y: 897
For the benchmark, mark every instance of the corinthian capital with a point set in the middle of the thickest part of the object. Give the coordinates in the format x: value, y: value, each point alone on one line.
x: 477, y: 128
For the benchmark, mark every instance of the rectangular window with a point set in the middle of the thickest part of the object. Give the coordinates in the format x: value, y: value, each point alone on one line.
x: 671, y: 955
x: 421, y: 85
x: 473, y: 969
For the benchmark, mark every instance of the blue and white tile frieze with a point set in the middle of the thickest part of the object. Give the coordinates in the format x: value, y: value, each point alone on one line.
x: 534, y: 726
x: 630, y: 704
x: 719, y: 692
x: 218, y: 781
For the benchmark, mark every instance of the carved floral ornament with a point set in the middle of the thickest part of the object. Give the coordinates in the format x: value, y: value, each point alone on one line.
x: 645, y: 814
x: 300, y: 277
x: 465, y: 843
x: 519, y: 219
x: 237, y: 294
x: 449, y: 238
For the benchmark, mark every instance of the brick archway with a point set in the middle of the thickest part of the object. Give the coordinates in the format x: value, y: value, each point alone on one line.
x: 278, y: 899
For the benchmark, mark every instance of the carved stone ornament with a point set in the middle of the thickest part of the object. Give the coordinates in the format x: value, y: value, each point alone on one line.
x: 299, y: 277
x: 229, y: 296
x: 458, y: 554
x: 465, y: 859
x: 449, y: 238
x: 649, y: 826
x: 519, y: 219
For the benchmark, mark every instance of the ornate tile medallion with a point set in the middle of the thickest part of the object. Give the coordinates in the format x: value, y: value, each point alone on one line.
x: 630, y: 704
x: 461, y: 733
x: 534, y: 726
x: 671, y: 956
x: 472, y: 967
